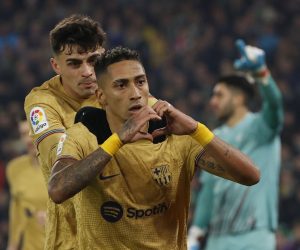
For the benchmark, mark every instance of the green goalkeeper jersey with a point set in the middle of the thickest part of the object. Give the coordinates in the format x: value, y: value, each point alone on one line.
x: 230, y: 208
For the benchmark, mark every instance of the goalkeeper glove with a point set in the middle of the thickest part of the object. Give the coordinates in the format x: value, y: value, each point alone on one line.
x: 252, y: 58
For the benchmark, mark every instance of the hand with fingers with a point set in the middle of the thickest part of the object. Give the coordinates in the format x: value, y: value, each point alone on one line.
x: 252, y: 58
x: 135, y: 128
x: 178, y: 123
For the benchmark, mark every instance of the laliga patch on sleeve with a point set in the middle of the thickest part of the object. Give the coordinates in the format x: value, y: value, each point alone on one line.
x: 38, y: 120
x: 61, y: 144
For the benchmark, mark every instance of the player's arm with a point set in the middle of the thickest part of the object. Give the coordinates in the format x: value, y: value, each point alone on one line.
x: 46, y: 126
x: 16, y: 216
x: 222, y: 159
x: 69, y: 176
x: 217, y: 157
x: 272, y: 109
x: 15, y: 224
x: 253, y: 60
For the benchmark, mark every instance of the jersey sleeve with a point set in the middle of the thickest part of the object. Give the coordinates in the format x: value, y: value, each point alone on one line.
x: 46, y: 124
x: 76, y: 143
x: 190, y: 150
x: 272, y: 107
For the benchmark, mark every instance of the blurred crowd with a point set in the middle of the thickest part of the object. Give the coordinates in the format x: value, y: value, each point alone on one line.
x: 186, y: 46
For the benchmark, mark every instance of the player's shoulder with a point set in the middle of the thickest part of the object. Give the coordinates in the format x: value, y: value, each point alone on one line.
x: 43, y: 93
x: 77, y: 127
x: 80, y: 132
x: 180, y: 143
x: 17, y: 165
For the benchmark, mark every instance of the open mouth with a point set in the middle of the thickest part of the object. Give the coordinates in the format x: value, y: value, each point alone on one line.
x: 135, y: 108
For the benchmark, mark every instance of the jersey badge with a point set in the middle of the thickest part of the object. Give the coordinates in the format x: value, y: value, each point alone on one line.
x: 161, y: 175
x: 38, y: 120
x: 61, y: 144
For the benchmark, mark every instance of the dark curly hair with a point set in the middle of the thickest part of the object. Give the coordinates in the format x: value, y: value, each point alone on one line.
x: 78, y: 30
x: 239, y: 82
x: 115, y: 55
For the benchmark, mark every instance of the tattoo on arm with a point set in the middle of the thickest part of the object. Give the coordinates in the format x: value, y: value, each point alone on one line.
x: 70, y: 176
x: 208, y: 163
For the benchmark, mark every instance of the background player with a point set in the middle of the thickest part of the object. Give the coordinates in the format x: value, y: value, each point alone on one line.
x: 28, y: 202
x: 239, y: 217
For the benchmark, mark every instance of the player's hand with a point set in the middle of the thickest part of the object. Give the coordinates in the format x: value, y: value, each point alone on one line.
x: 252, y: 58
x: 195, y: 238
x: 178, y: 123
x: 135, y: 128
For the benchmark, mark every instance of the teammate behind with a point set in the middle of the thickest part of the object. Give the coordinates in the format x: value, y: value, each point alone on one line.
x: 76, y: 41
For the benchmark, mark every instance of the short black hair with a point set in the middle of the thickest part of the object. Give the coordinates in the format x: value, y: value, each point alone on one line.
x: 115, y: 55
x: 239, y: 82
x: 78, y: 30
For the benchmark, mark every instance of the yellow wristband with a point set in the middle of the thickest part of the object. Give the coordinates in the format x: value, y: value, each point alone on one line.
x: 202, y: 134
x: 112, y: 144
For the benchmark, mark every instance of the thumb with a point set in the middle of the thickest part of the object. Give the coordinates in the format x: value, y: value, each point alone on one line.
x: 241, y: 46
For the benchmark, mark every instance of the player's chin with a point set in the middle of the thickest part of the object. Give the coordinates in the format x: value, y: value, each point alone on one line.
x: 86, y: 93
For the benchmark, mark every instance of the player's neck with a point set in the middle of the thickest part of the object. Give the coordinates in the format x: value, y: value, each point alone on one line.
x: 116, y: 124
x: 237, y: 116
x: 72, y: 94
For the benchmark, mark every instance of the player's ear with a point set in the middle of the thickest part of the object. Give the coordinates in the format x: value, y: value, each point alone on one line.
x: 101, y: 97
x: 55, y: 65
x: 239, y: 99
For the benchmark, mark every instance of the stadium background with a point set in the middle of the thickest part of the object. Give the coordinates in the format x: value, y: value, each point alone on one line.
x: 185, y: 45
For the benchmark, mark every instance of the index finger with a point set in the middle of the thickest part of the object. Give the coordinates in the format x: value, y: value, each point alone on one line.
x: 241, y: 46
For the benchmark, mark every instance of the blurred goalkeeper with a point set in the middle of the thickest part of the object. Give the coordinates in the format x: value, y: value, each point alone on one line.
x: 233, y: 216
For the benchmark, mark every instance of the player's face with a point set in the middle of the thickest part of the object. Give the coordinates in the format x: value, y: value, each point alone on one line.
x: 124, y: 90
x: 222, y: 102
x: 24, y: 133
x: 77, y: 71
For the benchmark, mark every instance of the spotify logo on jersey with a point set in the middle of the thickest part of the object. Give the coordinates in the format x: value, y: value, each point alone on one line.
x: 111, y: 211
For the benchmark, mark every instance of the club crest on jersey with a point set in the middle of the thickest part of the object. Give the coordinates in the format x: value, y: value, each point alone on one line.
x: 161, y: 175
x: 61, y: 144
x: 38, y: 120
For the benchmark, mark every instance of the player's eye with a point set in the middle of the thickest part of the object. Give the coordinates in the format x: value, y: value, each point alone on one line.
x: 141, y: 82
x: 92, y: 60
x: 74, y: 64
x: 120, y: 84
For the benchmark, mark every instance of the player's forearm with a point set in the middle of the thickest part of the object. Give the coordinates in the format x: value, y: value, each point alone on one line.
x: 233, y: 163
x: 221, y: 159
x: 272, y: 101
x: 70, y: 176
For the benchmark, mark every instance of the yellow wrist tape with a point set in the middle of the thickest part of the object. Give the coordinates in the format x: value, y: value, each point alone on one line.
x: 112, y: 144
x: 202, y: 134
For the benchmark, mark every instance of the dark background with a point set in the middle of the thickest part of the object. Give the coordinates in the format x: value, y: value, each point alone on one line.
x: 185, y: 46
